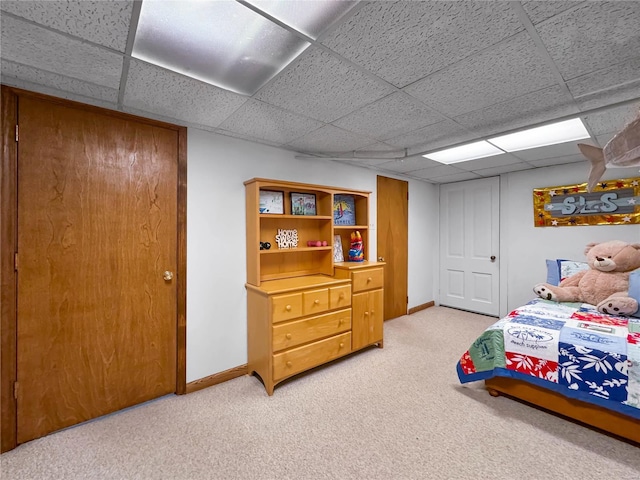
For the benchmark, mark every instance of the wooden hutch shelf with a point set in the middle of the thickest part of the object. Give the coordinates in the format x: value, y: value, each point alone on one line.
x: 304, y: 309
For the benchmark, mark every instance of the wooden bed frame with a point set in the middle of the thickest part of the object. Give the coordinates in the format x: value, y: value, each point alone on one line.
x: 609, y: 421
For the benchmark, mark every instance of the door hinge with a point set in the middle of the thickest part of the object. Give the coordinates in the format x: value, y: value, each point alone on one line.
x: 17, y: 133
x: 407, y: 299
x: 15, y: 390
x: 15, y: 261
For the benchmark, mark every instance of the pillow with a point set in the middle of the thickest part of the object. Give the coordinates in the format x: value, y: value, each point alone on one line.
x: 559, y: 269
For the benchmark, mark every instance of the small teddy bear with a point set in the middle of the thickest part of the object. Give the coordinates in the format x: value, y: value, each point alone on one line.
x: 605, y: 284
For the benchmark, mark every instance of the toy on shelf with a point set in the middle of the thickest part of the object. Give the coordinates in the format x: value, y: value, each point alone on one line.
x: 317, y: 243
x: 356, y: 252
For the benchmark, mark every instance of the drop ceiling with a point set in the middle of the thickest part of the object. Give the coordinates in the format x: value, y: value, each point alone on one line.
x: 386, y: 83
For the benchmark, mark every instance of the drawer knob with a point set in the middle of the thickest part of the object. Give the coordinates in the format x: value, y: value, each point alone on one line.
x: 289, y: 364
x: 342, y: 295
x: 317, y: 302
x: 341, y: 344
x: 369, y: 279
x: 366, y: 314
x: 288, y: 308
x: 340, y: 321
x: 288, y: 336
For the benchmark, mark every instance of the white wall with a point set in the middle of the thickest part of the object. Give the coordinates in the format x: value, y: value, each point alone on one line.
x: 524, y: 247
x: 216, y: 269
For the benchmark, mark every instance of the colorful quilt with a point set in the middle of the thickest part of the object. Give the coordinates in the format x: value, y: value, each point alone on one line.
x: 566, y: 347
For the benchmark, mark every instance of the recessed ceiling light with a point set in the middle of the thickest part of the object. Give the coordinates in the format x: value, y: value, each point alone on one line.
x: 310, y: 17
x: 470, y: 151
x: 560, y: 132
x: 222, y: 43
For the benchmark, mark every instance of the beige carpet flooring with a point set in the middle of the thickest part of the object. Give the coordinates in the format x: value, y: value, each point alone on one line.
x: 392, y: 413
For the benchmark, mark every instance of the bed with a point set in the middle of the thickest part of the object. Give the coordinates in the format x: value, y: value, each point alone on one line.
x: 564, y: 357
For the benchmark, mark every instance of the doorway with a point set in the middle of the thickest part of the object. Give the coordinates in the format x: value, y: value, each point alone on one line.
x: 99, y: 264
x: 469, y: 245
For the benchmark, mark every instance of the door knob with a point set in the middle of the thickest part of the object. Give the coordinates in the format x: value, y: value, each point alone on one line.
x: 168, y: 276
x: 493, y: 258
x: 381, y: 259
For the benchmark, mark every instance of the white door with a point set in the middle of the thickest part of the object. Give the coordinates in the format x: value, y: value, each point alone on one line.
x: 469, y: 245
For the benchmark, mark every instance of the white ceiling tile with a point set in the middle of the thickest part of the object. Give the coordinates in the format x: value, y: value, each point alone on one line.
x: 404, y: 41
x: 105, y: 23
x: 508, y: 70
x: 410, y: 164
x: 492, y: 172
x: 432, y: 137
x: 609, y: 78
x: 550, y: 151
x: 389, y: 117
x: 630, y: 91
x: 260, y: 120
x: 537, y: 107
x: 438, y: 170
x: 612, y: 120
x: 538, y: 11
x: 456, y: 177
x: 549, y: 162
x: 154, y: 89
x: 37, y: 47
x: 367, y: 162
x: 597, y: 35
x: 249, y: 138
x: 488, y: 162
x: 602, y: 140
x: 383, y: 149
x: 57, y: 82
x: 331, y: 139
x: 321, y: 86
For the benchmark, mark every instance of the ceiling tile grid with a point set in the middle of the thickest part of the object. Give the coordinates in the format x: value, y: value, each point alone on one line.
x: 508, y: 70
x: 389, y: 117
x: 105, y: 23
x: 330, y: 139
x: 536, y: 107
x: 322, y: 84
x: 159, y: 91
x: 263, y: 121
x: 390, y: 78
x: 17, y: 74
x: 402, y: 42
x: 34, y: 46
x: 592, y: 36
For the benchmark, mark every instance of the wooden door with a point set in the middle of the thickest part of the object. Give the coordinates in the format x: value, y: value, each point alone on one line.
x: 359, y: 320
x: 469, y: 245
x: 393, y: 244
x: 97, y: 227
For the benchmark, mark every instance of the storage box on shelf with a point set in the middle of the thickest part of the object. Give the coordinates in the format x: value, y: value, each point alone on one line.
x: 299, y: 312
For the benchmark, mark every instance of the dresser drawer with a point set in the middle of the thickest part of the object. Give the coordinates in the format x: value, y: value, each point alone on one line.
x: 286, y: 307
x: 339, y: 297
x: 303, y: 358
x: 291, y: 334
x: 315, y: 301
x: 368, y: 279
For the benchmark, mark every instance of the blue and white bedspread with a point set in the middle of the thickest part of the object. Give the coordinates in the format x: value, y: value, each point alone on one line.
x: 566, y: 347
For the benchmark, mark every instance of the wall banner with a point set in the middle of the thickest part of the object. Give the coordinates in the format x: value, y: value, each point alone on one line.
x: 614, y: 202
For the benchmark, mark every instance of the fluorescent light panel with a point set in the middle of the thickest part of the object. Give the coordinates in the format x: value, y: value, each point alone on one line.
x: 470, y: 151
x: 227, y: 44
x: 310, y: 17
x: 560, y: 132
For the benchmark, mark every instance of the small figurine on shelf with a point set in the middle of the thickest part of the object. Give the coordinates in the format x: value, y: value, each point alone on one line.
x: 356, y: 252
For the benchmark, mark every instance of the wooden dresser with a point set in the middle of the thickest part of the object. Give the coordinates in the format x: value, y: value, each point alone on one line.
x: 304, y: 309
x: 296, y: 324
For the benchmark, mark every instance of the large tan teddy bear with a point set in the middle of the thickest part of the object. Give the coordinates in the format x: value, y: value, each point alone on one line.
x: 605, y: 284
